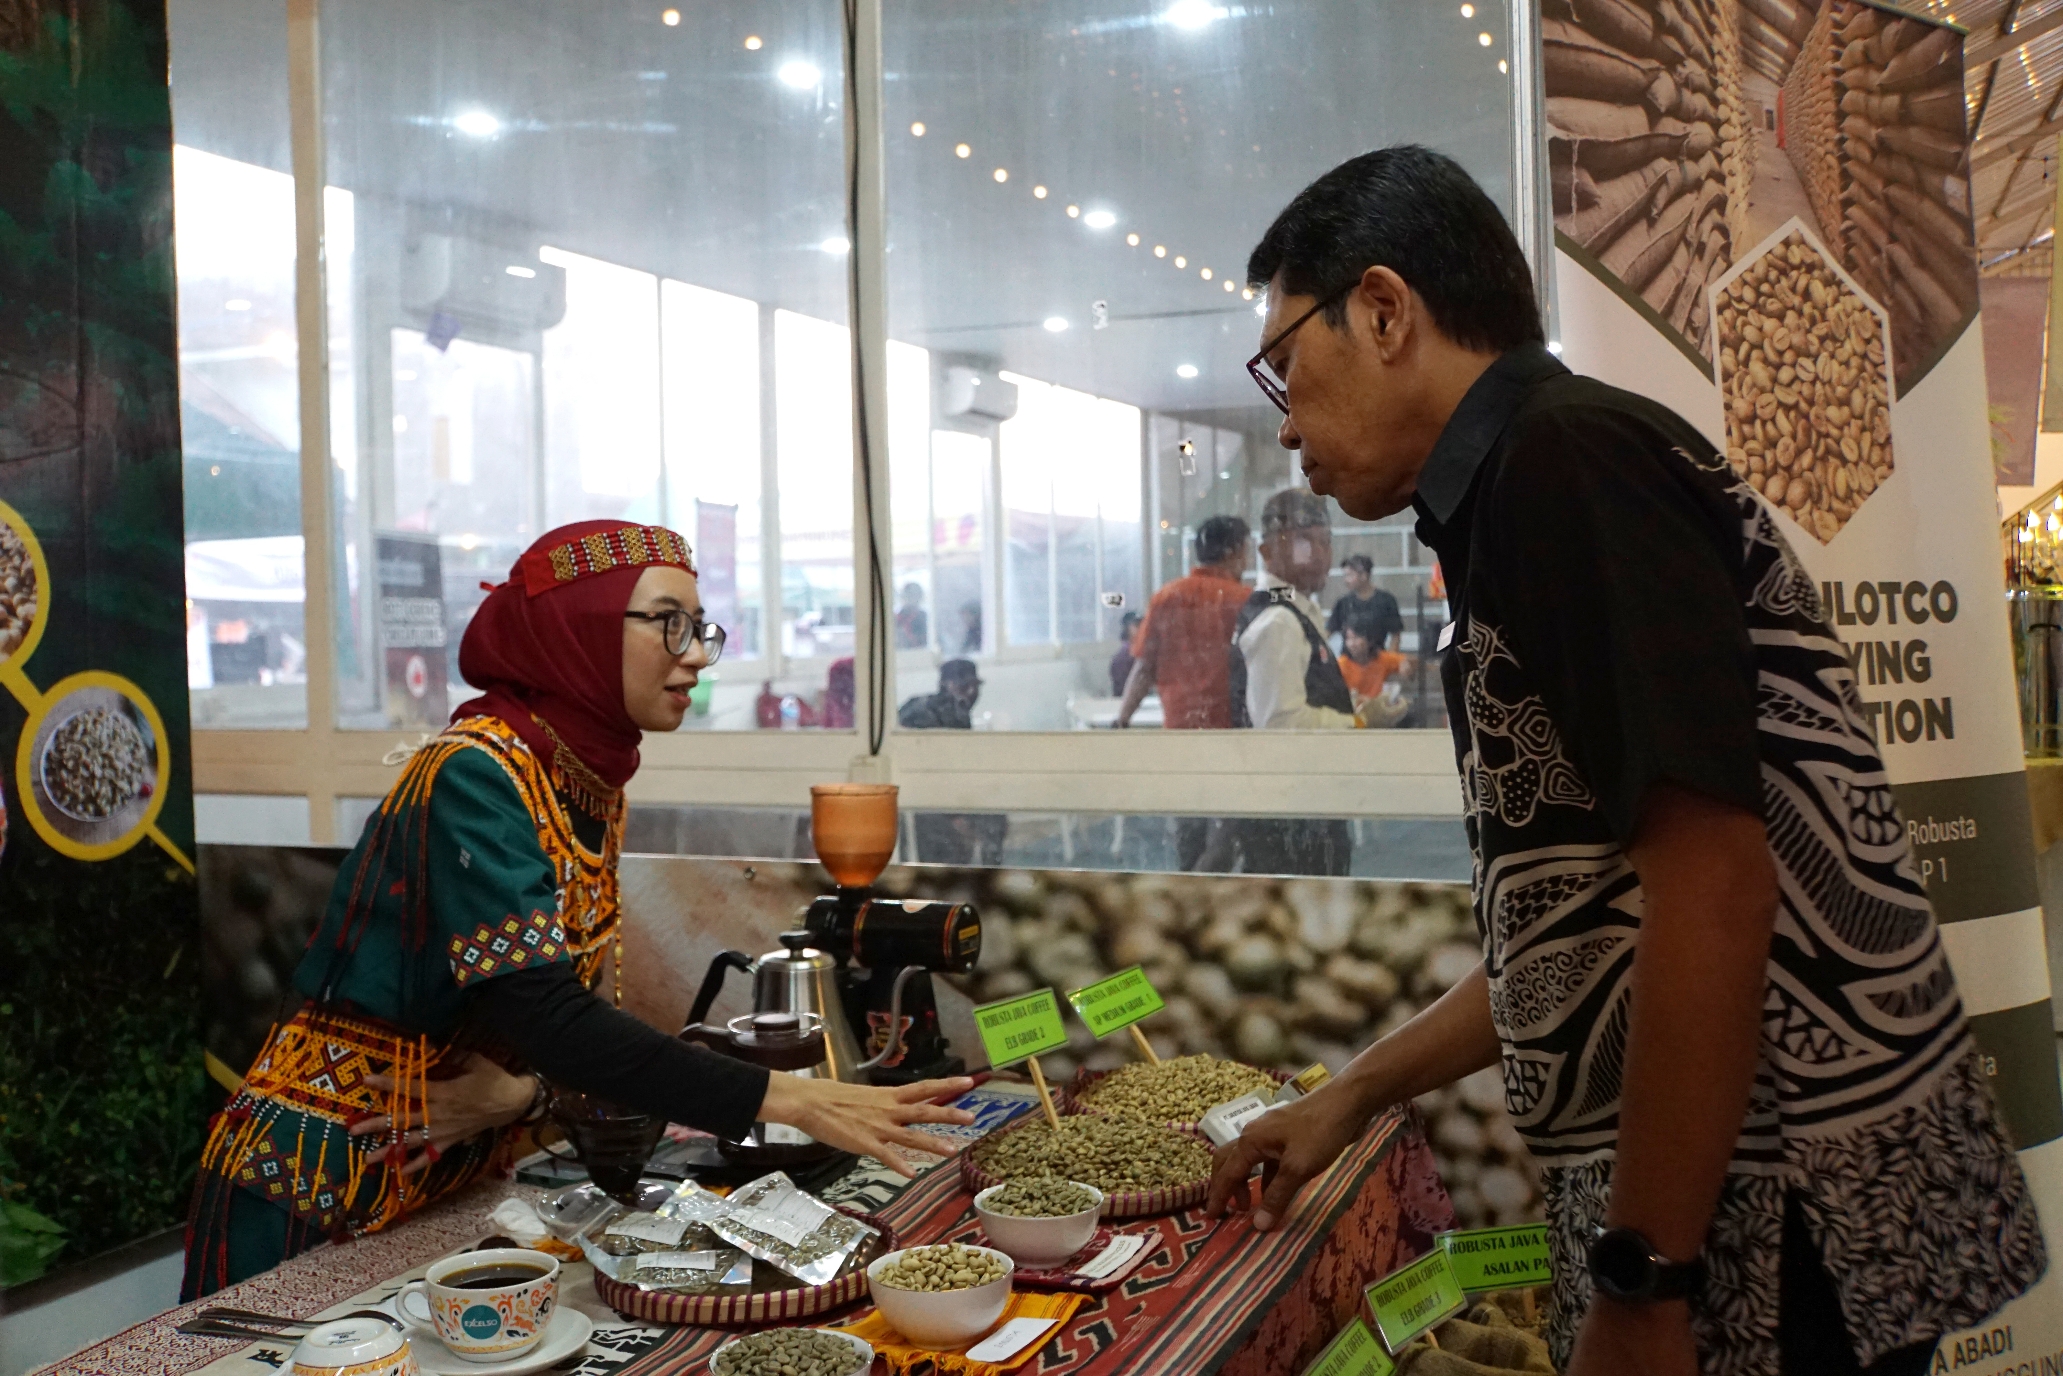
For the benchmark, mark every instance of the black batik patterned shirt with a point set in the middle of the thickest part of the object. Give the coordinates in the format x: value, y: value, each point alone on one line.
x: 1626, y: 612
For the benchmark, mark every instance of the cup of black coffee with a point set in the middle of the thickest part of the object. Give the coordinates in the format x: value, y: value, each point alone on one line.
x: 486, y: 1306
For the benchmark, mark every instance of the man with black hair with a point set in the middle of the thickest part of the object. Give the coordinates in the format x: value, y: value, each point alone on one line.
x: 951, y: 708
x: 1181, y: 648
x: 1729, y: 1033
x: 1363, y: 599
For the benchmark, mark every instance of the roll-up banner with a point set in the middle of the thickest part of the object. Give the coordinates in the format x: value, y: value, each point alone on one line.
x: 1780, y: 190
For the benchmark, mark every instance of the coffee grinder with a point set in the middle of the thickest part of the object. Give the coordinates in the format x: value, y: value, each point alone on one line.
x: 874, y: 938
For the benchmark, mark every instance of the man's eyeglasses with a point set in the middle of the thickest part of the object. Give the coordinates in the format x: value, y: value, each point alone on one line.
x: 680, y: 629
x: 1263, y: 372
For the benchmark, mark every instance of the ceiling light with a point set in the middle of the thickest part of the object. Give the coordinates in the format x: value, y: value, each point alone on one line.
x: 918, y: 129
x: 478, y: 123
x: 1484, y: 39
x: 1468, y: 11
x: 1132, y: 239
x: 1206, y: 274
x: 1099, y: 219
x: 803, y: 76
x: 837, y: 243
x: 1002, y: 174
x: 1230, y: 284
x: 1192, y: 14
x: 1180, y: 261
x: 752, y: 43
x: 1055, y: 323
x: 236, y: 303
x: 961, y: 150
x: 518, y: 270
x: 669, y: 17
x: 1185, y: 371
x: 1039, y: 192
x: 1503, y: 66
x: 1074, y: 212
x: 1160, y: 250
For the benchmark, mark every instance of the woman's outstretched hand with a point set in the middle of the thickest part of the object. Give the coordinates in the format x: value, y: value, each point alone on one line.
x: 863, y: 1118
x: 481, y: 1097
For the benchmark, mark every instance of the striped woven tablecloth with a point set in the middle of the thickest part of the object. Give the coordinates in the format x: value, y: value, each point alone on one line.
x: 1212, y: 1295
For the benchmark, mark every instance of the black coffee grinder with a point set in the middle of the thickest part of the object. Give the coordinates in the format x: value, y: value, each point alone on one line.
x: 873, y: 938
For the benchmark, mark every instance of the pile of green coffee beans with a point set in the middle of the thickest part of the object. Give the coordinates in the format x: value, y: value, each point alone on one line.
x: 790, y: 1352
x: 948, y: 1266
x: 1178, y: 1090
x: 1116, y: 1155
x: 1041, y: 1196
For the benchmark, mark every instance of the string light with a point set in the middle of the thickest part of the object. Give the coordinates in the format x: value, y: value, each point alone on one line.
x: 752, y: 43
x: 670, y: 18
x: 1230, y: 284
x: 1484, y: 39
x: 917, y: 129
x: 1503, y: 66
x: 1002, y: 174
x: 1074, y: 212
x: 1205, y: 273
x: 1180, y: 261
x: 1039, y: 192
x: 1160, y: 250
x: 961, y: 150
x: 1468, y: 11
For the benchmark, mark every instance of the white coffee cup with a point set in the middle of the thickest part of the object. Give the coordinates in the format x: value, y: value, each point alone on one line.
x: 354, y: 1347
x: 478, y: 1319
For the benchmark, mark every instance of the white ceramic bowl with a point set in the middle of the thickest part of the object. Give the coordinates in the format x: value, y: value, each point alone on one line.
x: 1039, y: 1241
x: 859, y: 1345
x: 942, y: 1318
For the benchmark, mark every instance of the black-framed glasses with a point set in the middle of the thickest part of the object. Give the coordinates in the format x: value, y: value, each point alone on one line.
x: 1263, y: 372
x: 680, y: 629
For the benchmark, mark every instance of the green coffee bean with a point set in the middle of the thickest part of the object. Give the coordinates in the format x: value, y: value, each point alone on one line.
x: 1179, y: 1090
x: 1040, y: 1197
x: 948, y: 1266
x: 1116, y: 1155
x: 790, y: 1352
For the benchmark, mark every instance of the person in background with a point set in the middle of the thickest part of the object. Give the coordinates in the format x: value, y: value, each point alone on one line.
x: 1121, y: 662
x: 1365, y: 668
x: 1729, y: 1032
x: 1180, y: 648
x: 912, y: 622
x: 840, y: 694
x: 951, y: 708
x: 1363, y: 597
x: 970, y: 628
x: 1285, y: 677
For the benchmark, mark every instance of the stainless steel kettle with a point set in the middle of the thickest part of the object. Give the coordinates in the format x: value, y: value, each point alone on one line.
x: 798, y: 978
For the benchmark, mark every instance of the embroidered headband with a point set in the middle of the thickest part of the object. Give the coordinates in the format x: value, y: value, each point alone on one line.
x: 599, y: 552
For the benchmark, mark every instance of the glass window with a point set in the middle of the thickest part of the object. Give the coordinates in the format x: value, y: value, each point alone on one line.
x: 1068, y: 236
x: 594, y: 269
x: 233, y: 208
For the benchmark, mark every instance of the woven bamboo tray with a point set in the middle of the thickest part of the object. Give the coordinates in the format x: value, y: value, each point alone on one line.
x: 1068, y: 1099
x: 755, y: 1310
x: 1133, y: 1204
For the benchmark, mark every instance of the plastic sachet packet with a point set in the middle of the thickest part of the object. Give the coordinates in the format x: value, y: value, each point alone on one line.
x: 787, y: 1227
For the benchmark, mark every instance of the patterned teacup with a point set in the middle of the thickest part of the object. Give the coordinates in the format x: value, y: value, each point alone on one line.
x: 354, y: 1347
x: 486, y: 1306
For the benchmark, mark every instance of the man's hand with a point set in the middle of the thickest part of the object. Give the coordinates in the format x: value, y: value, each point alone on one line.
x: 864, y: 1119
x: 1619, y: 1339
x: 481, y: 1097
x: 1290, y: 1144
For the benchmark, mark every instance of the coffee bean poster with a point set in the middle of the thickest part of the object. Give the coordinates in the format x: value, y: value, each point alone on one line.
x: 1777, y: 191
x: 102, y: 1095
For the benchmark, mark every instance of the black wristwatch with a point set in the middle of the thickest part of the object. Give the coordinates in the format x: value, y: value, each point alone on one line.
x: 1624, y: 1265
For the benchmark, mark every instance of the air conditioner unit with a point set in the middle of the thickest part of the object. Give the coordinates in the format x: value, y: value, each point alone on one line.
x: 492, y: 289
x: 977, y: 392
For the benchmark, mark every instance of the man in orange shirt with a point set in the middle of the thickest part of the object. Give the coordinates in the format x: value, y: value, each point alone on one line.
x: 1181, y: 648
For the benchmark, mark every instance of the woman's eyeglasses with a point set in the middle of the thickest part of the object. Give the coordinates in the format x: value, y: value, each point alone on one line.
x: 1274, y: 387
x: 680, y: 629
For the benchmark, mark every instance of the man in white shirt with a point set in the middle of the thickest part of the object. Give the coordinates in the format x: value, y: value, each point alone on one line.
x: 1285, y: 677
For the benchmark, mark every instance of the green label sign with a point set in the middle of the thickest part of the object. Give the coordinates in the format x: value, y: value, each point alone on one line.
x: 1355, y: 1352
x: 1486, y: 1259
x: 1409, y: 1301
x: 1117, y: 1002
x: 1012, y: 1029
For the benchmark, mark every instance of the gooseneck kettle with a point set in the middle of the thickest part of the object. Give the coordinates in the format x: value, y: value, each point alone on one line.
x: 799, y: 978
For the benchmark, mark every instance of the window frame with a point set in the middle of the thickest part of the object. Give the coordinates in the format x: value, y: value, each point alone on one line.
x: 1370, y: 773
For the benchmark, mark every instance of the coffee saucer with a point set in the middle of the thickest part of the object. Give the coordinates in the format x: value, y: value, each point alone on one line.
x: 567, y: 1335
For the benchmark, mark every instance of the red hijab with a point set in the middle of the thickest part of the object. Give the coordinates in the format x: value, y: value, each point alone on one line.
x: 549, y: 642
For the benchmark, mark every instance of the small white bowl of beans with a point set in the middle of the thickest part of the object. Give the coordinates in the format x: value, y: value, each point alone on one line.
x: 1039, y: 1220
x: 942, y: 1296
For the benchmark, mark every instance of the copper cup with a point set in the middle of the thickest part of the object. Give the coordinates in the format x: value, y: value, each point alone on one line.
x: 853, y: 826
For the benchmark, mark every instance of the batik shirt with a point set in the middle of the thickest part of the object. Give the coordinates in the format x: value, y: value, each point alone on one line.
x: 1626, y: 613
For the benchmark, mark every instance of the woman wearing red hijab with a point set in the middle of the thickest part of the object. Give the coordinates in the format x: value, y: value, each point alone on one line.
x: 469, y: 927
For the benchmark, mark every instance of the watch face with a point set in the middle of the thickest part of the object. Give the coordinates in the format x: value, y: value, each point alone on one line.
x: 1621, y: 1264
